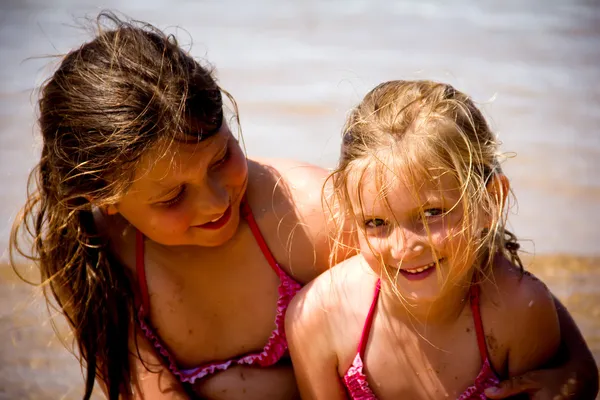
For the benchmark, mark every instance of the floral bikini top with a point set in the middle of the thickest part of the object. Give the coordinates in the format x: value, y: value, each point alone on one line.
x: 275, y: 348
x: 356, y: 381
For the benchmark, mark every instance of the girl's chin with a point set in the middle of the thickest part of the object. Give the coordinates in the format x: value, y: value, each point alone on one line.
x: 425, y: 288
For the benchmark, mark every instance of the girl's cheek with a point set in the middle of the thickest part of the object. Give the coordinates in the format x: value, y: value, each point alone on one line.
x: 171, y: 222
x: 237, y: 172
x: 236, y: 168
x: 371, y: 250
x: 373, y: 261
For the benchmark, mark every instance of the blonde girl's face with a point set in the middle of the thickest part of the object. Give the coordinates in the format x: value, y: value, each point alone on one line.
x: 412, y: 232
x: 191, y: 195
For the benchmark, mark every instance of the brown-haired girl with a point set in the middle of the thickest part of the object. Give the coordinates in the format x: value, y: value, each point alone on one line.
x: 436, y: 305
x: 172, y: 255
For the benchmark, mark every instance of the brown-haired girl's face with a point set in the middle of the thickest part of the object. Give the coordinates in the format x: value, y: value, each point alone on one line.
x: 189, y: 196
x: 412, y: 233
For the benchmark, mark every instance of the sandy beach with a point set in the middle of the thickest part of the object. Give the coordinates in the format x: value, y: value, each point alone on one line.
x: 36, y: 365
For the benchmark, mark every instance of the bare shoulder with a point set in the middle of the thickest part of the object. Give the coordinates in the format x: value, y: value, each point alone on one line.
x: 293, y: 169
x: 308, y: 321
x: 292, y: 191
x: 333, y: 294
x: 303, y: 181
x: 517, y: 292
x: 313, y: 324
x: 326, y: 306
x: 324, y: 293
x: 524, y: 315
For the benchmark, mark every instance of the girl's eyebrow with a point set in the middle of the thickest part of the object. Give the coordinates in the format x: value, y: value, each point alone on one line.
x: 162, y: 194
x: 435, y: 201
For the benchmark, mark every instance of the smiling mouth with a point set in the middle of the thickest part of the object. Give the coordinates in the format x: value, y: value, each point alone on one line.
x: 423, y: 268
x: 218, y: 222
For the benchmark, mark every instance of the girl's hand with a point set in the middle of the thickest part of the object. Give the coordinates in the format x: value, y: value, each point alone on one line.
x: 549, y: 384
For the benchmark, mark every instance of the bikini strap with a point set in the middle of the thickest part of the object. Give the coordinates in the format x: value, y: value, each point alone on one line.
x: 141, y: 271
x: 364, y: 337
x: 476, y: 311
x: 264, y: 248
x: 140, y: 265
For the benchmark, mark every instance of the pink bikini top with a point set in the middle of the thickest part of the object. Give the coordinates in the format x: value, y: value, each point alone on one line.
x: 356, y: 381
x: 276, y: 346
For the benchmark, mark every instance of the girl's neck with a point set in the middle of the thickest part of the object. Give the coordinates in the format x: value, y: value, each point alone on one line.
x: 442, y: 311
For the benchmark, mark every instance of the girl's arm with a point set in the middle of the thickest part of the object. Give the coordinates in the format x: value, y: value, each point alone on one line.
x: 572, y: 373
x: 304, y: 184
x: 313, y: 355
x: 580, y: 367
x: 151, y: 379
x: 535, y: 330
x: 543, y: 332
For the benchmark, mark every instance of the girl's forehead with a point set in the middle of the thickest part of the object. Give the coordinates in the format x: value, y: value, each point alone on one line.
x: 376, y: 179
x: 381, y: 185
x: 165, y: 162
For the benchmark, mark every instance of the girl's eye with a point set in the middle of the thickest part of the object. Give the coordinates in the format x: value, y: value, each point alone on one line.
x: 171, y: 202
x: 433, y: 212
x: 375, y: 223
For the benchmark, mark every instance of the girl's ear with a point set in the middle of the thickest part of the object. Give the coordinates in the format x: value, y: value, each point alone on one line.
x: 498, y: 187
x: 111, y: 209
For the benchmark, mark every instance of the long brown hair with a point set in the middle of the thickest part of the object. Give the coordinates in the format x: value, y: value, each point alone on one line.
x: 431, y: 129
x: 129, y: 89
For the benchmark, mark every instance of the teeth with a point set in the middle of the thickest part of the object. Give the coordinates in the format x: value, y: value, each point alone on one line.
x: 419, y: 270
x: 216, y: 219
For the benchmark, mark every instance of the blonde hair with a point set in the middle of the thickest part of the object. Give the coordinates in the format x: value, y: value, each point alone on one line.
x: 432, y: 130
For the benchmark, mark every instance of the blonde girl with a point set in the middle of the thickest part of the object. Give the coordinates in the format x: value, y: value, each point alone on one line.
x: 436, y: 305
